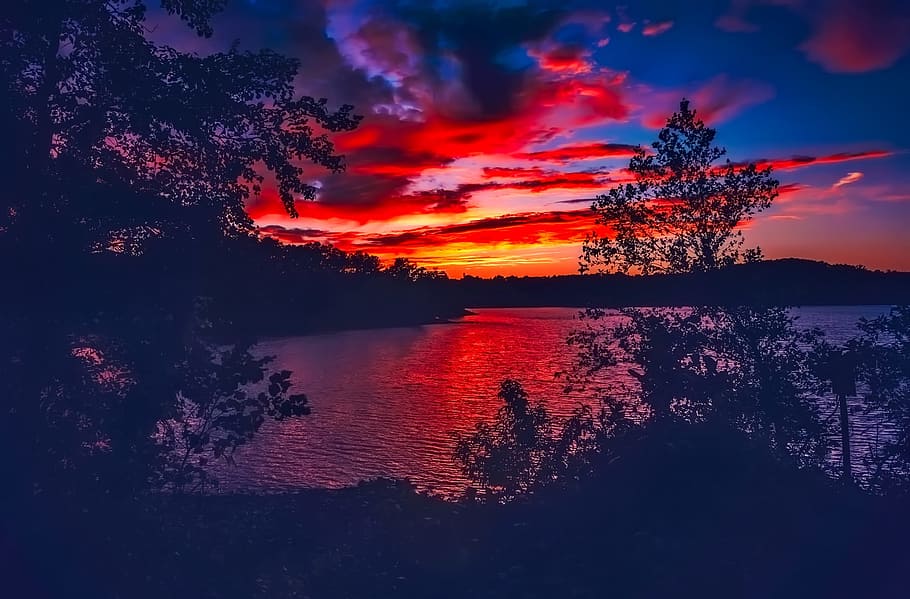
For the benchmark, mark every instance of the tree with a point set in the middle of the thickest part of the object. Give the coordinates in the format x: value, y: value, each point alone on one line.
x: 525, y: 449
x: 403, y: 269
x: 882, y: 355
x: 681, y: 212
x: 89, y: 93
x: 746, y: 366
x: 510, y: 456
x: 129, y: 164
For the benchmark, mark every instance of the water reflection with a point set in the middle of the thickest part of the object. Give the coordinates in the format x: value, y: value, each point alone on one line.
x: 385, y: 402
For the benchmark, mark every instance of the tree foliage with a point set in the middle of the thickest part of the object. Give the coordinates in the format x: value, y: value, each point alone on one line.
x: 525, y: 448
x: 154, y: 130
x: 683, y: 210
x: 128, y: 166
x: 882, y: 355
x: 509, y: 456
x: 747, y: 367
x: 405, y: 270
x: 215, y: 415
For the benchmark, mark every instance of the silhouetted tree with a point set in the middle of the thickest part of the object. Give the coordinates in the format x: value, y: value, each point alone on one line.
x: 405, y: 270
x: 129, y: 164
x: 681, y: 212
x: 747, y: 366
x: 88, y: 91
x: 216, y: 413
x: 766, y: 384
x: 882, y: 356
x: 509, y: 456
x: 525, y: 449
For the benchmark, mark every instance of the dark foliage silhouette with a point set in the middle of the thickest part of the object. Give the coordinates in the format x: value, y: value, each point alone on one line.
x: 525, y: 449
x: 509, y: 456
x: 215, y: 415
x: 316, y: 287
x: 129, y: 164
x: 682, y: 211
x: 881, y: 353
x: 748, y: 366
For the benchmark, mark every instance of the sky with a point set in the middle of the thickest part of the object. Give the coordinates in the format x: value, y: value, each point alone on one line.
x: 490, y: 125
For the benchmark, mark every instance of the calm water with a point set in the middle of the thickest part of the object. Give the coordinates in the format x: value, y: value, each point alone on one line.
x: 385, y: 402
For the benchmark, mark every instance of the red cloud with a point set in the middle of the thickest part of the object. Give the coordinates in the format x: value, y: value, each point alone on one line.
x: 490, y: 172
x: 652, y: 29
x: 557, y: 180
x: 857, y: 36
x: 542, y: 180
x: 563, y: 59
x: 369, y: 208
x: 717, y: 100
x: 440, y: 138
x: 849, y: 36
x: 537, y: 175
x: 525, y: 228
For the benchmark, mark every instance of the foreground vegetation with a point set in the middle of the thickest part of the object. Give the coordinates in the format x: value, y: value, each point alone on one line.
x: 685, y: 513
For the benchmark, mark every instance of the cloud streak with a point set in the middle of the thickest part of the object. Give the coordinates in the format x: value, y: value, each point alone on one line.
x: 658, y: 28
x: 796, y: 162
x: 849, y: 178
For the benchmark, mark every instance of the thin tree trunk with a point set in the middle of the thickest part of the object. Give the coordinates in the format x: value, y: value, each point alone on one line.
x: 847, y: 473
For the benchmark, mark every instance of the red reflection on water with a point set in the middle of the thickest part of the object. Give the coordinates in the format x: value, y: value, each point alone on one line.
x: 386, y: 402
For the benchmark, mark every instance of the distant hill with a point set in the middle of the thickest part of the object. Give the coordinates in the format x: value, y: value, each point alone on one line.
x: 317, y: 302
x: 789, y: 282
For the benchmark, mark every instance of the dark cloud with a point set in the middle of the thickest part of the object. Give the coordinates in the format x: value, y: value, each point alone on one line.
x: 294, y: 234
x: 795, y: 162
x: 574, y: 152
x: 479, y: 36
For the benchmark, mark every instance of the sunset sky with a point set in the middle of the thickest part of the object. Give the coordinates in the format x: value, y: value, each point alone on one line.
x: 490, y: 125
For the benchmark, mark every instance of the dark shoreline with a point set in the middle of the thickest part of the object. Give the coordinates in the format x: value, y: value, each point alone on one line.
x: 470, y: 312
x: 787, y: 534
x: 364, y: 305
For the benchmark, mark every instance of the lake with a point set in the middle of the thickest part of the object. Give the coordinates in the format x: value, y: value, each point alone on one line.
x: 386, y: 401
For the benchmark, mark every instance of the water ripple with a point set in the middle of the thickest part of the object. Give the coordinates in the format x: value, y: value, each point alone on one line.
x: 385, y: 402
